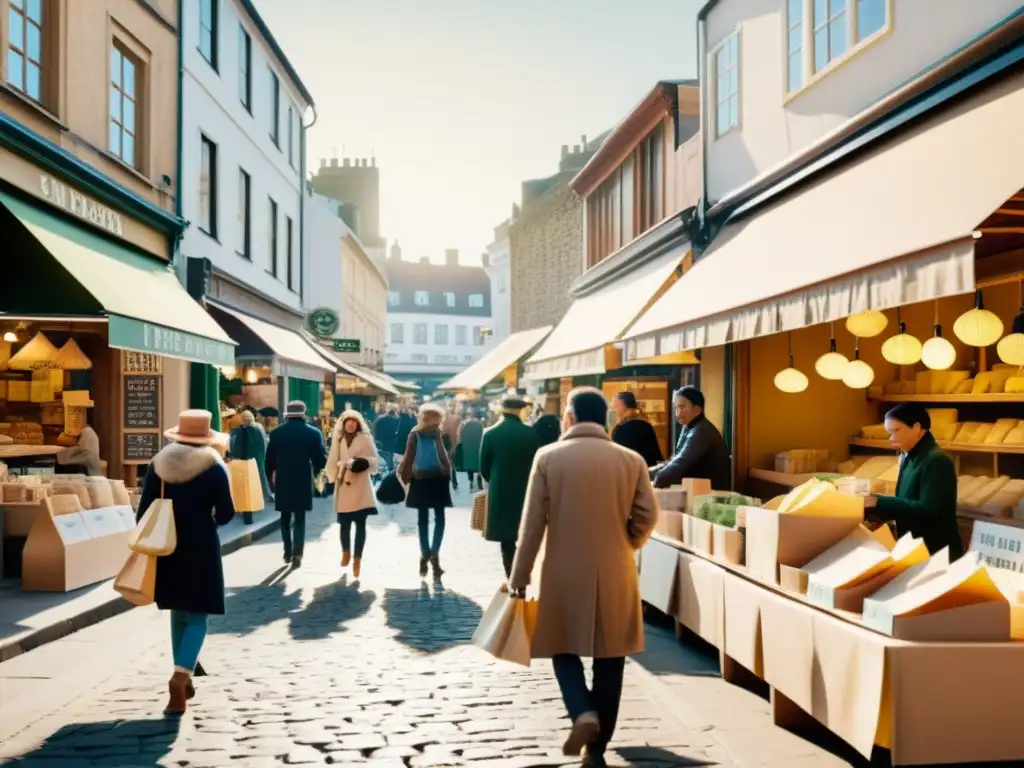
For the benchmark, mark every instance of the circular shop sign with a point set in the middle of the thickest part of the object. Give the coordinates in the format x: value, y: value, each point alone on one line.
x: 323, y: 322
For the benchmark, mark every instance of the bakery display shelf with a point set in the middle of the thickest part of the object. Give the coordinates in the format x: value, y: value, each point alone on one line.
x: 975, y: 515
x: 996, y: 397
x: 782, y: 478
x: 947, y: 446
x: 22, y: 451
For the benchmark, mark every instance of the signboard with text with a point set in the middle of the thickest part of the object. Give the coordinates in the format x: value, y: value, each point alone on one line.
x: 1000, y: 546
x: 346, y: 345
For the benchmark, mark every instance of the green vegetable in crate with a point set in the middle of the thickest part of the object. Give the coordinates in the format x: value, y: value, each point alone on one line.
x: 720, y: 508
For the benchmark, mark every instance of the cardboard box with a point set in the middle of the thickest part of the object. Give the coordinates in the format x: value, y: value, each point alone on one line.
x: 697, y: 533
x: 659, y: 563
x: 728, y: 544
x: 694, y: 487
x: 700, y: 598
x: 775, y: 539
x: 743, y: 622
x: 19, y: 517
x: 845, y: 566
x: 671, y: 499
x: 670, y: 524
x: 793, y: 579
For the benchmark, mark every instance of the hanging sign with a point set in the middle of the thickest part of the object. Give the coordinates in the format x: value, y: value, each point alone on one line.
x: 346, y: 345
x: 323, y: 322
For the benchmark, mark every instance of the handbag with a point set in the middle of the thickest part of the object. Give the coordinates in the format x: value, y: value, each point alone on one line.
x: 246, y: 485
x: 156, y: 533
x: 391, y: 490
x: 478, y: 517
x: 506, y: 629
x: 136, y: 581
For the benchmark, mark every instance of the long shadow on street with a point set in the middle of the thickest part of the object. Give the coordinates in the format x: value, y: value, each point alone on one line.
x: 431, y: 619
x: 114, y: 742
x: 330, y: 608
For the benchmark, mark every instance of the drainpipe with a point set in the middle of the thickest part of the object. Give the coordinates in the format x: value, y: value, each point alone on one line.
x: 302, y: 206
x: 179, y: 260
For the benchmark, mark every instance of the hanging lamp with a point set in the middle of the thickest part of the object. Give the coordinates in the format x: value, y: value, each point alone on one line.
x: 790, y: 380
x: 1011, y: 348
x: 37, y: 353
x: 938, y: 352
x: 11, y: 337
x: 903, y: 348
x: 978, y: 327
x: 70, y: 357
x: 866, y: 324
x: 832, y: 364
x: 858, y: 374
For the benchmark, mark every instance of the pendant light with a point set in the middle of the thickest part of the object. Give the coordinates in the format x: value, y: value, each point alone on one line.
x: 790, y: 380
x: 38, y: 353
x: 1011, y: 348
x: 70, y: 357
x: 938, y: 353
x: 978, y: 327
x: 832, y: 364
x: 858, y: 374
x: 902, y: 349
x: 11, y: 337
x: 866, y: 324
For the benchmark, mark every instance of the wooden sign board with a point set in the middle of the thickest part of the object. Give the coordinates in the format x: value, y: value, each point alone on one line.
x: 141, y: 402
x: 140, y: 447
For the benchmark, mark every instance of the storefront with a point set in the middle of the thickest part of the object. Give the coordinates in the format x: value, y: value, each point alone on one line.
x: 92, y: 314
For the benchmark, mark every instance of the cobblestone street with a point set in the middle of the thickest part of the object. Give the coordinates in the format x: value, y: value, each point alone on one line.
x: 311, y: 668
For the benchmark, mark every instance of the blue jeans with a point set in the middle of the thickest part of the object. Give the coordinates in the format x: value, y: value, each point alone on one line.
x: 188, y: 631
x: 428, y: 548
x: 602, y: 697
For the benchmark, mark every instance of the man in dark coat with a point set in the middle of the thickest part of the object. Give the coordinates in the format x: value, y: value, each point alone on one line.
x: 506, y: 458
x: 406, y: 421
x: 700, y: 450
x: 295, y: 455
x: 385, y: 430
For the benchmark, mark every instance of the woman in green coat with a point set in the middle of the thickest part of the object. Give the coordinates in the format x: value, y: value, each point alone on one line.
x: 925, y: 500
x: 506, y: 458
x: 249, y: 441
x: 471, y: 433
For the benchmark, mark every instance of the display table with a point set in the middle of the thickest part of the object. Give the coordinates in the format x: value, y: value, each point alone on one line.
x: 925, y: 702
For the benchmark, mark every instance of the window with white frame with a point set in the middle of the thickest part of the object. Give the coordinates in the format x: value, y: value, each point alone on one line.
x: 394, y: 298
x: 441, y: 333
x: 397, y: 333
x: 449, y: 299
x: 421, y: 299
x: 727, y: 84
x: 822, y: 32
x: 476, y: 300
x: 419, y: 333
x: 460, y: 335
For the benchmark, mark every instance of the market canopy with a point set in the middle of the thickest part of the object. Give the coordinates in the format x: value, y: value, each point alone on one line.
x: 147, y: 309
x: 405, y: 386
x: 490, y: 366
x: 370, y: 378
x: 281, y: 349
x: 893, y: 228
x: 577, y: 345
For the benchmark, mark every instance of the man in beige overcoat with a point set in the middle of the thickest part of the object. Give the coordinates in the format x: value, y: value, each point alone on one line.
x: 595, y: 502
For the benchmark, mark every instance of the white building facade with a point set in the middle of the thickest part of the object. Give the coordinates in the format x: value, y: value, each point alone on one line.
x: 243, y: 162
x: 499, y: 270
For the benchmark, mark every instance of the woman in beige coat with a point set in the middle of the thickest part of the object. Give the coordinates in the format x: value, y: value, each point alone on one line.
x: 351, y: 462
x: 595, y: 502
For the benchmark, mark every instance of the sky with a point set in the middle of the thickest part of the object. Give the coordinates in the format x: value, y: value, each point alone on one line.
x: 462, y: 100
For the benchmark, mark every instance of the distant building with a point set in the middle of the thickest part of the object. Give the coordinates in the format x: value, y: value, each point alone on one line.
x: 498, y: 263
x: 439, y: 318
x: 356, y: 184
x: 546, y: 243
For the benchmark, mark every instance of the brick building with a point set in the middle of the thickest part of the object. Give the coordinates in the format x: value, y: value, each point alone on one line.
x: 546, y: 241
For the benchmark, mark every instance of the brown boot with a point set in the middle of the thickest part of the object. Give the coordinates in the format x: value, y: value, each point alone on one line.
x: 355, y: 566
x: 178, y: 689
x: 346, y: 558
x: 435, y: 563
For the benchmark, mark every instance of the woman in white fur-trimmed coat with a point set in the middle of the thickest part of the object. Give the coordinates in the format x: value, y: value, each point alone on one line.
x: 351, y: 462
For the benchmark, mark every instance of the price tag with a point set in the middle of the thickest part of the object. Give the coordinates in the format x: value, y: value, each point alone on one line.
x: 101, y: 522
x: 125, y: 516
x: 821, y: 595
x: 71, y: 528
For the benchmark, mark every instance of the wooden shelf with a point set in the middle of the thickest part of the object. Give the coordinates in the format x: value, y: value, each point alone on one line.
x: 998, y: 397
x: 1008, y: 521
x: 953, y: 447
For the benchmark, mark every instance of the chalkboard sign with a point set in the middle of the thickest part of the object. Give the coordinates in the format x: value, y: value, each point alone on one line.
x: 141, y: 447
x: 141, y: 402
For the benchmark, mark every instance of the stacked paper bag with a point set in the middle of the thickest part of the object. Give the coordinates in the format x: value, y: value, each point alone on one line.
x: 1012, y: 585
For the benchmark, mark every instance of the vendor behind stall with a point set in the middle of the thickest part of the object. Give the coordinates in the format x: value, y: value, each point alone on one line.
x: 633, y: 431
x: 84, y: 456
x: 700, y: 450
x: 925, y: 500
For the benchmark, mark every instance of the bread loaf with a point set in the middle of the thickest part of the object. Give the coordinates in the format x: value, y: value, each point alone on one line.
x: 1003, y: 501
x: 985, y: 491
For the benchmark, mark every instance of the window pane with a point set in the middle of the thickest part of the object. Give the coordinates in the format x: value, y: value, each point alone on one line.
x: 836, y: 6
x: 734, y: 80
x: 35, y: 10
x: 16, y: 24
x: 796, y: 11
x: 820, y: 12
x: 115, y: 138
x: 115, y: 104
x: 722, y: 59
x: 128, y: 149
x: 837, y: 37
x: 796, y: 38
x: 206, y: 13
x: 129, y: 77
x: 17, y: 3
x: 33, y: 82
x: 723, y: 117
x: 35, y: 44
x: 734, y: 110
x: 115, y: 66
x: 870, y: 17
x: 796, y: 70
x: 734, y: 50
x: 15, y: 69
x: 129, y: 115
x: 821, y: 49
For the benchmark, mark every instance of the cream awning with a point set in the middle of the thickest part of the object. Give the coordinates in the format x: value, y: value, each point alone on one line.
x: 374, y: 379
x: 295, y: 356
x: 576, y: 346
x: 490, y: 366
x: 895, y: 227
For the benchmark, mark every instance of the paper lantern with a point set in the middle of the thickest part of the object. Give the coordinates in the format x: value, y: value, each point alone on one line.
x: 858, y: 374
x: 790, y: 381
x: 978, y: 327
x: 938, y: 353
x: 1011, y: 348
x: 832, y: 364
x: 70, y: 357
x: 866, y: 324
x: 38, y: 353
x: 902, y: 349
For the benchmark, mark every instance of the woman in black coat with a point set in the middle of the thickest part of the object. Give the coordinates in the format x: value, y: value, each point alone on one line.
x: 190, y: 581
x: 633, y: 431
x: 428, y: 484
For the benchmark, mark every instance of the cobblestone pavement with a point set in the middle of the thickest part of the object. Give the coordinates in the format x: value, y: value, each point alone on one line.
x: 310, y: 667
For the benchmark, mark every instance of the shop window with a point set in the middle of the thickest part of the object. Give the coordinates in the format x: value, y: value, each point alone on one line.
x: 244, y: 202
x: 124, y: 118
x: 208, y: 31
x: 208, y: 187
x: 275, y: 109
x: 289, y: 256
x: 397, y: 333
x: 421, y: 298
x: 727, y: 84
x: 476, y: 300
x: 441, y: 333
x: 460, y: 335
x: 273, y: 238
x: 244, y: 68
x: 25, y: 42
x: 419, y: 333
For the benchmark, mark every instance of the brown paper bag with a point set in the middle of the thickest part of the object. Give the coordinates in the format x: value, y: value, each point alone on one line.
x: 246, y: 488
x: 506, y: 629
x: 136, y: 581
x: 156, y: 533
x: 478, y: 518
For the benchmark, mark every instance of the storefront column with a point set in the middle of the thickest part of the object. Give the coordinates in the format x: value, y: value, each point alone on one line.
x: 204, y: 390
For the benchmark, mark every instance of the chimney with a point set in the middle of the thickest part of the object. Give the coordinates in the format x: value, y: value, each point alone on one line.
x: 451, y: 257
x: 396, y: 252
x: 424, y: 259
x: 334, y: 162
x: 565, y: 151
x: 323, y: 162
x: 373, y: 162
x: 575, y: 149
x: 583, y: 142
x: 346, y: 162
x: 364, y: 162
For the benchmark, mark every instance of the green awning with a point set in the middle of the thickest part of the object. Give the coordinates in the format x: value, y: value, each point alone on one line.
x: 147, y: 308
